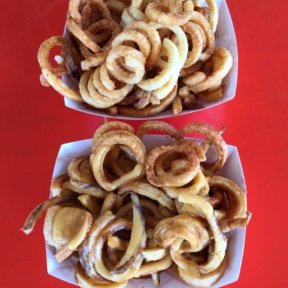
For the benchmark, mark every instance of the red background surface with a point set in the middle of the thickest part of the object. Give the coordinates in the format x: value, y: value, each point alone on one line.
x: 34, y: 123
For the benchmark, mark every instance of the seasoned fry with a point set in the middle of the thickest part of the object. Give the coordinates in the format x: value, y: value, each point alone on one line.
x: 51, y: 74
x: 169, y: 178
x: 70, y: 227
x: 149, y: 126
x: 212, y: 138
x: 158, y: 12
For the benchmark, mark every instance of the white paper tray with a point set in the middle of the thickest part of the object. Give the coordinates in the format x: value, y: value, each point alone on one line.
x: 225, y: 37
x: 232, y: 170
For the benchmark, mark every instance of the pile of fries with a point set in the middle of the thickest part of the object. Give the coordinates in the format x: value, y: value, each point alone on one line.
x: 128, y: 212
x: 137, y: 58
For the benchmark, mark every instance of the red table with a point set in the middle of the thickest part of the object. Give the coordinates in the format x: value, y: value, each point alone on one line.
x: 34, y: 123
